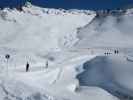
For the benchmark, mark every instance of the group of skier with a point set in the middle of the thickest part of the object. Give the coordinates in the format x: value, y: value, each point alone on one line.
x: 115, y: 52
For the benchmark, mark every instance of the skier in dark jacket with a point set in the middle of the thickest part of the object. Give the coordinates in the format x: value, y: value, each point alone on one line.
x: 46, y: 64
x: 27, y: 67
x: 117, y: 51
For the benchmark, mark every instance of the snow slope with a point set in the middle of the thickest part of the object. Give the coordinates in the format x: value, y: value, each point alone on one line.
x: 30, y: 35
x: 38, y: 35
x: 38, y: 26
x: 58, y: 81
x: 108, y: 31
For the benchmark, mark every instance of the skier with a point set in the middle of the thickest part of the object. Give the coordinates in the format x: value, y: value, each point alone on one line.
x: 27, y: 67
x: 46, y: 64
x: 115, y: 51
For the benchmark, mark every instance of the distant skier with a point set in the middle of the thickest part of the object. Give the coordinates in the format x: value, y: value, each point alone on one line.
x: 46, y: 64
x: 115, y: 51
x: 27, y: 67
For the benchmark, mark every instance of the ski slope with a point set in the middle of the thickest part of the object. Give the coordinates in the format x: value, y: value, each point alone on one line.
x: 57, y: 82
x: 67, y: 39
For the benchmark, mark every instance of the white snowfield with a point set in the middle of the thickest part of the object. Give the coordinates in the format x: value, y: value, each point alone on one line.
x: 63, y: 38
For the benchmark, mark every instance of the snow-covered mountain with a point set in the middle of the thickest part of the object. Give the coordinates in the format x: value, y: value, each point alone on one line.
x: 66, y: 28
x: 38, y: 26
x: 108, y: 29
x: 67, y: 39
x: 37, y: 31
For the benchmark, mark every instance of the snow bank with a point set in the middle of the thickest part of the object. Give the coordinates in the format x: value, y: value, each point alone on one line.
x: 112, y: 73
x: 130, y: 58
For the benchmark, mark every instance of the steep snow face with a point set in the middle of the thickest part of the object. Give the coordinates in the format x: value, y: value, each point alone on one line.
x: 112, y: 73
x: 108, y: 31
x: 38, y: 29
